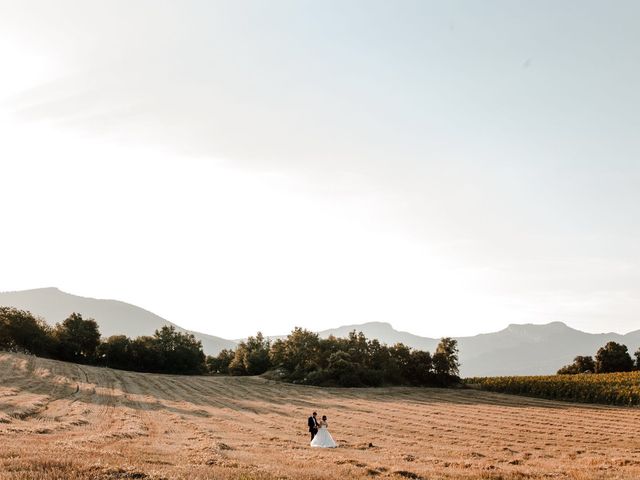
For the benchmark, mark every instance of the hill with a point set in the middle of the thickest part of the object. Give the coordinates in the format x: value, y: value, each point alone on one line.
x: 113, y: 317
x: 62, y: 420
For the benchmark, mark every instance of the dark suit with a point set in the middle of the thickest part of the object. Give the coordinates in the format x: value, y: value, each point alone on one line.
x: 313, y: 426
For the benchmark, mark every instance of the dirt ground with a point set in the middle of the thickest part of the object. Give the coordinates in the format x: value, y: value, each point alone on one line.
x: 65, y: 421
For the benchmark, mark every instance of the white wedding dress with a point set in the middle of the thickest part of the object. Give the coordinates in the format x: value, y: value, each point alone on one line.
x: 323, y: 438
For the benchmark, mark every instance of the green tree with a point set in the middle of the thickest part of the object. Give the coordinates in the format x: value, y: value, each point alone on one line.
x: 397, y: 368
x: 343, y: 371
x: 220, y: 363
x: 358, y: 348
x: 78, y: 339
x: 237, y: 365
x: 445, y: 358
x: 420, y: 368
x: 115, y: 352
x: 379, y: 356
x: 613, y: 357
x: 256, y: 360
x: 581, y: 364
x: 145, y: 355
x: 179, y: 352
x: 297, y: 355
x: 251, y: 356
x: 21, y: 331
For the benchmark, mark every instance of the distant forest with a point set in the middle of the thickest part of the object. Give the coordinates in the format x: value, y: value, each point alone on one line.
x: 302, y: 357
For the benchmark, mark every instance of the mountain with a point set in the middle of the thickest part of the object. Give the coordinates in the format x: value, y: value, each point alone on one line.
x: 113, y: 317
x: 516, y: 350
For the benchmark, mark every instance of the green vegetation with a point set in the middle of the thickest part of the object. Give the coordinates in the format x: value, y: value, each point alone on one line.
x: 167, y: 351
x: 607, y: 379
x: 611, y: 358
x: 302, y: 357
x: 354, y: 361
x: 621, y: 388
x: 78, y: 340
x: 580, y: 365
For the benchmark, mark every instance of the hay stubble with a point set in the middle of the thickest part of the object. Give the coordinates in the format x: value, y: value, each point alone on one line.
x: 60, y: 420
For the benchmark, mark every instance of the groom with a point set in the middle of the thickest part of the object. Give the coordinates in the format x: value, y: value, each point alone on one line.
x: 313, y: 425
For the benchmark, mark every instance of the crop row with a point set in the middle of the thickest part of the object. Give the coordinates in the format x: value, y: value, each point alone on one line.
x: 604, y: 388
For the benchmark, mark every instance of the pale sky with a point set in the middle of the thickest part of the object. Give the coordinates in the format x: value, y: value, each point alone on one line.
x: 448, y: 167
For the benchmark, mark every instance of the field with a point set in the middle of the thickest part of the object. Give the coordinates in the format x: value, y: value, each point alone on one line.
x: 64, y: 421
x: 607, y: 388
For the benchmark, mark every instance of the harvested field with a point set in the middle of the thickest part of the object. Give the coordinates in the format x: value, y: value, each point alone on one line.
x: 65, y: 421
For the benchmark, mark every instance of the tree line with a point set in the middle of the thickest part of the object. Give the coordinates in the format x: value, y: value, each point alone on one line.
x: 301, y: 357
x: 354, y: 361
x: 78, y: 340
x: 611, y: 358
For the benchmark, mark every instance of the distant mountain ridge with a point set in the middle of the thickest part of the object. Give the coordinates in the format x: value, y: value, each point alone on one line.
x: 525, y: 349
x: 113, y: 317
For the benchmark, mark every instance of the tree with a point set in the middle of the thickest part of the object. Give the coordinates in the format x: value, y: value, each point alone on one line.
x: 257, y: 360
x: 21, y: 331
x: 445, y: 358
x: 398, y: 365
x: 251, y: 357
x: 220, y: 363
x: 420, y: 369
x: 358, y: 347
x: 343, y: 370
x: 637, y: 355
x: 297, y: 355
x: 145, y: 355
x: 115, y: 352
x: 237, y: 365
x: 379, y: 356
x: 78, y: 339
x: 179, y: 352
x: 613, y: 357
x: 580, y: 365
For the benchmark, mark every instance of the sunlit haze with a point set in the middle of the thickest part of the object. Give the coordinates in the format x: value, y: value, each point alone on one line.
x: 234, y: 166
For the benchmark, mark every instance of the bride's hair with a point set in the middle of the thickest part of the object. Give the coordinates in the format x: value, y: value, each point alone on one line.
x: 324, y: 417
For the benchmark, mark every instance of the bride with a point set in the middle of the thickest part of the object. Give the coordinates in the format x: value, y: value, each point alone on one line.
x: 323, y: 438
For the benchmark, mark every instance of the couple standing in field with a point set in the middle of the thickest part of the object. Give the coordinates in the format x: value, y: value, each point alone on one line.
x: 320, y: 436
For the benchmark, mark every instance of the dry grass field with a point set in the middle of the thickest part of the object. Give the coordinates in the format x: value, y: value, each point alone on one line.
x: 64, y: 421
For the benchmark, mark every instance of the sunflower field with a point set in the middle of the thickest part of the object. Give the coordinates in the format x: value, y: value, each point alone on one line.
x: 604, y: 388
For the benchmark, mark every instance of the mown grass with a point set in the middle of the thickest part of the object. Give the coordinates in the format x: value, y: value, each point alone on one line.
x: 66, y: 421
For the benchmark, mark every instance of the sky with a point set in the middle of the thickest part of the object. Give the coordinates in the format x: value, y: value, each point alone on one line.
x: 234, y: 166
